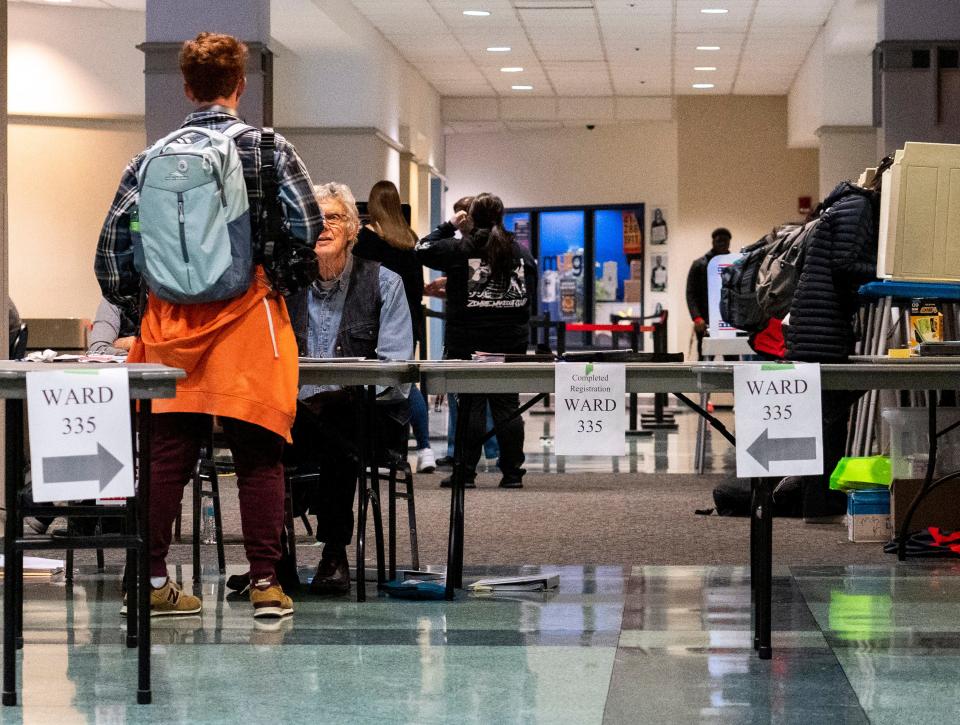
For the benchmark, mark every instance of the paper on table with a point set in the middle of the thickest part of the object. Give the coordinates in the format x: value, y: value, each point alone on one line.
x: 37, y: 565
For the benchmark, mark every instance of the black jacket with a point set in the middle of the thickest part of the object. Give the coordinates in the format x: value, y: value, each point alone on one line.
x: 360, y: 324
x: 841, y: 255
x: 697, y: 302
x: 371, y: 245
x: 483, y: 313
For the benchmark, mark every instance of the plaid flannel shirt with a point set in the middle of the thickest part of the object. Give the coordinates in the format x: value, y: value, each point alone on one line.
x: 113, y: 264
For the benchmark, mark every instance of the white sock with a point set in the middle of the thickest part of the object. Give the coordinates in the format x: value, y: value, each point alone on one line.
x: 157, y: 581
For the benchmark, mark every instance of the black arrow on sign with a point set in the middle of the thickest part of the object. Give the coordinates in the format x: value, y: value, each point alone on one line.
x: 101, y: 466
x: 766, y: 449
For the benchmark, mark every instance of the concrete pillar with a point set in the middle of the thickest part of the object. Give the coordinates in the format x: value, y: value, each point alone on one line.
x: 917, y: 73
x: 845, y: 151
x: 408, y: 178
x: 169, y: 23
x: 4, y: 239
x: 421, y: 221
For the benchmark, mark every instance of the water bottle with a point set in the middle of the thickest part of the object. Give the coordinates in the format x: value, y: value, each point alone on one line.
x: 208, y: 525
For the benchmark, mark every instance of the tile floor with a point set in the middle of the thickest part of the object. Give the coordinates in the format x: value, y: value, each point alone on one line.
x: 648, y: 645
x: 853, y: 644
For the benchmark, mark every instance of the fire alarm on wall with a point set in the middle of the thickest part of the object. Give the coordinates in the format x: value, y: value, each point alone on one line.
x: 804, y: 205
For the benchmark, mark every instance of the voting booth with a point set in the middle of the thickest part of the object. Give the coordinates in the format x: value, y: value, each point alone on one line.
x: 920, y: 214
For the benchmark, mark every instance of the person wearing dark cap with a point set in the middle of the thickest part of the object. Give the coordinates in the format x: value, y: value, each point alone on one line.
x: 697, y: 285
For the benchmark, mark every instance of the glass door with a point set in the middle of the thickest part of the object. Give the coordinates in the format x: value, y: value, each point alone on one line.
x: 618, y: 266
x: 561, y: 251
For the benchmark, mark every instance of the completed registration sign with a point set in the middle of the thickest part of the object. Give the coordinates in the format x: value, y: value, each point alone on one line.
x: 80, y: 445
x: 779, y: 425
x: 589, y: 402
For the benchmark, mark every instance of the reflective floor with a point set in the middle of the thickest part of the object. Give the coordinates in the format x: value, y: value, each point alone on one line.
x: 651, y: 645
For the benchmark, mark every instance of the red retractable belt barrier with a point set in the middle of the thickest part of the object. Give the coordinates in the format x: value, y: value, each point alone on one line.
x: 584, y: 327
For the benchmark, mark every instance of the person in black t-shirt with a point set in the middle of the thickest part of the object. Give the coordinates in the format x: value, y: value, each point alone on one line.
x: 491, y: 285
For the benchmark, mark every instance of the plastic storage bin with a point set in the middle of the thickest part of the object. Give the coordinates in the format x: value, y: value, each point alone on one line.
x: 910, y: 444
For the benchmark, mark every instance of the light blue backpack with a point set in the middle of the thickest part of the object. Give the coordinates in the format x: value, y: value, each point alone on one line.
x: 191, y: 238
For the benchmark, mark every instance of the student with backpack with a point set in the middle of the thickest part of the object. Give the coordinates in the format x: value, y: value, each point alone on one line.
x: 187, y: 228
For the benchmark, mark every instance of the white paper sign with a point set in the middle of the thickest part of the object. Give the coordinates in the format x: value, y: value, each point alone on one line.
x: 718, y: 326
x: 80, y: 445
x: 778, y: 418
x: 589, y: 403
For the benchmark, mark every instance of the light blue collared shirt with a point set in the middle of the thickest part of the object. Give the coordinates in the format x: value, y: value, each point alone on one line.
x: 325, y: 309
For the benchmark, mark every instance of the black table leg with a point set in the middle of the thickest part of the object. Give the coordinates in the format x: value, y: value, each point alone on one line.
x: 927, y: 479
x: 764, y: 591
x: 754, y: 557
x: 392, y: 521
x: 368, y: 462
x: 14, y: 419
x: 130, y: 574
x: 144, y: 693
x: 455, y: 539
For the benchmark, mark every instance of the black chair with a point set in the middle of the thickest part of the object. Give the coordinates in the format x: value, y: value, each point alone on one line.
x: 398, y: 471
x: 18, y: 343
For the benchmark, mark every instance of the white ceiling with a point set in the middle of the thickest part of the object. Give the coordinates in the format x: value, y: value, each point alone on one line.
x: 580, y: 48
x: 99, y: 4
x: 602, y: 47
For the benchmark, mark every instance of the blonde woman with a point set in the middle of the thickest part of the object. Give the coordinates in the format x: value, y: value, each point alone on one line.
x: 388, y: 239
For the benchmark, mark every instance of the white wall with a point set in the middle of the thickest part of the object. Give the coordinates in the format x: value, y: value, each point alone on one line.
x: 834, y: 86
x: 74, y: 61
x: 573, y: 166
x: 76, y: 103
x: 332, y: 69
x: 723, y: 161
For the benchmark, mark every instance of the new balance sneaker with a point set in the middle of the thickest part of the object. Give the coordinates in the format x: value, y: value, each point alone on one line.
x: 425, y: 461
x: 269, y: 601
x: 169, y: 601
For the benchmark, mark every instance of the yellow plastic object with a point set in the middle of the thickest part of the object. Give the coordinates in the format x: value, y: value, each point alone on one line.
x: 857, y: 474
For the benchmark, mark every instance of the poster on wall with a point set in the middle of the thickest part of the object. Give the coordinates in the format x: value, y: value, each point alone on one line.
x: 632, y: 234
x: 521, y: 233
x: 658, y: 273
x: 658, y: 228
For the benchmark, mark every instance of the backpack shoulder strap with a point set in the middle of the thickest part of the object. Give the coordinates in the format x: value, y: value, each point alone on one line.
x: 236, y: 129
x: 268, y: 184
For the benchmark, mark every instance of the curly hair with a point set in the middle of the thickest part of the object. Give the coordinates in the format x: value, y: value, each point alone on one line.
x: 213, y: 65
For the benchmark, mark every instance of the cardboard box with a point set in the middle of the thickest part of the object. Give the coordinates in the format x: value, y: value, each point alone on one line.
x: 632, y: 289
x: 939, y: 508
x: 868, y: 516
x: 869, y: 527
x: 62, y: 335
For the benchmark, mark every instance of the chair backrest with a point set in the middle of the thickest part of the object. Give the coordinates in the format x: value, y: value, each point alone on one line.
x: 18, y: 343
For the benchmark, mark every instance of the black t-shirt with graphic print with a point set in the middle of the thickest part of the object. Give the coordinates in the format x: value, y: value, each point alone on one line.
x: 485, y: 312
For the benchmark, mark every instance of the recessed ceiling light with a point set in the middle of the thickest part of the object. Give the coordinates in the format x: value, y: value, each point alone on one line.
x: 476, y: 13
x: 703, y: 85
x: 512, y: 69
x: 705, y: 67
x: 522, y: 88
x: 499, y: 49
x: 714, y: 11
x: 708, y: 47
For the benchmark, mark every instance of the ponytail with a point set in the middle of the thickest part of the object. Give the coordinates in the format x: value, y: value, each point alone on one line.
x: 486, y: 211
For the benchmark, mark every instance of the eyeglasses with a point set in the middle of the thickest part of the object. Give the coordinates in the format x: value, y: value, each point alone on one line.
x: 334, y: 220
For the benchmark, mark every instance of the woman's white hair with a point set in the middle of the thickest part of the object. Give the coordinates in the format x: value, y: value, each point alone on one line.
x: 341, y: 193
